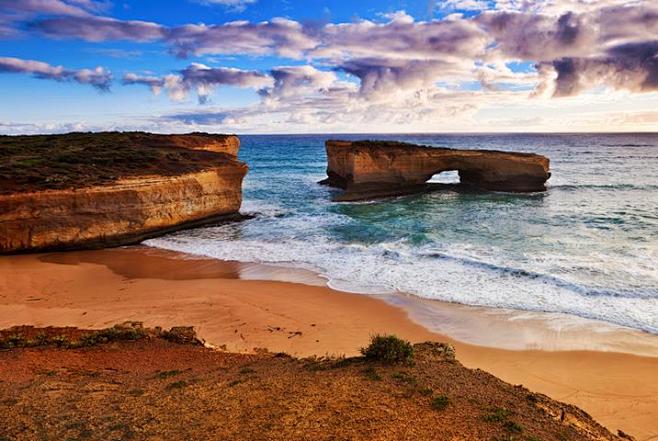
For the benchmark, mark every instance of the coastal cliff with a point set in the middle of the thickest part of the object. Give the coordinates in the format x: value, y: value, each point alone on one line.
x: 97, y: 190
x: 379, y: 168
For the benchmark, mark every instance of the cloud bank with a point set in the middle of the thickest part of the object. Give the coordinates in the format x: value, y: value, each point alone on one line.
x: 396, y: 68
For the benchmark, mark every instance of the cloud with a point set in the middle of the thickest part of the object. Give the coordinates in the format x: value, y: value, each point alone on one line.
x: 51, y: 7
x: 540, y: 37
x: 154, y: 83
x: 393, y: 67
x: 201, y: 78
x: 463, y: 5
x: 296, y: 80
x: 402, y: 38
x: 98, y: 29
x: 231, y: 5
x: 98, y: 77
x: 284, y: 37
x: 632, y: 67
x: 13, y: 12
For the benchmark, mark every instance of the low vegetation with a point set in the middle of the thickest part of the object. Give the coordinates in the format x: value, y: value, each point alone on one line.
x: 389, y: 349
x: 153, y: 388
x: 40, y: 162
x: 71, y: 338
x: 440, y: 402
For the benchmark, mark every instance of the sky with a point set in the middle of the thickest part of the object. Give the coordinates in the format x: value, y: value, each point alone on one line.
x: 328, y: 66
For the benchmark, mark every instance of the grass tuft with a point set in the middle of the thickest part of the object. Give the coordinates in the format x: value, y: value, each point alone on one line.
x: 168, y: 374
x: 372, y: 374
x: 177, y: 385
x: 497, y: 415
x: 513, y: 427
x: 440, y: 402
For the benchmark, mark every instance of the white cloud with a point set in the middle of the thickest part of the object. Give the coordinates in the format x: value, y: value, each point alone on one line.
x: 98, y: 77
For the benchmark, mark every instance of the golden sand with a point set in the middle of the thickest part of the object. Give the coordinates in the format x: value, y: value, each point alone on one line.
x: 231, y: 309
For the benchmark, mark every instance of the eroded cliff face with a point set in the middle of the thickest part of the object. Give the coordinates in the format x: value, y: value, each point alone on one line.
x: 368, y: 169
x: 129, y: 209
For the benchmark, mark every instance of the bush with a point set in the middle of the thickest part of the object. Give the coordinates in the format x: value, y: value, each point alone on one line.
x: 440, y: 402
x: 184, y: 335
x: 497, y: 415
x: 372, y: 374
x: 513, y: 427
x: 388, y: 349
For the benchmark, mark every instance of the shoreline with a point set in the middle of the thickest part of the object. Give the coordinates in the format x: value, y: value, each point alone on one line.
x: 497, y: 328
x: 230, y: 304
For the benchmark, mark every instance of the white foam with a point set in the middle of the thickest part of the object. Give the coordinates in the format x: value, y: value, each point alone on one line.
x: 395, y: 266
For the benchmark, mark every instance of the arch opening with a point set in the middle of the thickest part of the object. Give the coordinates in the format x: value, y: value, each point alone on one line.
x: 445, y: 177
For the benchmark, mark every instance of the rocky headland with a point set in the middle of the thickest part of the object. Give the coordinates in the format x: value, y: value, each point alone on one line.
x: 85, y: 190
x: 368, y: 169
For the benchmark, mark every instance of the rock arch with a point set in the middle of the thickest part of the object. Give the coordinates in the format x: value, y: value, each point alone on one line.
x: 375, y: 168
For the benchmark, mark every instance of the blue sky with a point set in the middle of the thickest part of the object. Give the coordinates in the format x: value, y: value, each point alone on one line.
x: 263, y: 66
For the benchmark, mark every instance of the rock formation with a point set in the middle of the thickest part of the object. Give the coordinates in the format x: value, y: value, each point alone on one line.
x: 367, y: 169
x: 183, y: 180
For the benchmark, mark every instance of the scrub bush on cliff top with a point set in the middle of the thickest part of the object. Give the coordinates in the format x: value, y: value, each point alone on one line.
x: 388, y: 349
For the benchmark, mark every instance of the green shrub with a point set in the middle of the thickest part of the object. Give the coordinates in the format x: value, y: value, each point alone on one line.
x: 405, y: 377
x: 427, y: 391
x: 372, y: 374
x: 388, y: 349
x: 513, y: 427
x: 167, y: 374
x: 497, y: 415
x: 177, y: 385
x: 440, y: 402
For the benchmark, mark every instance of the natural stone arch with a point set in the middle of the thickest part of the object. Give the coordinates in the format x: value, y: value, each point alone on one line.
x: 372, y: 168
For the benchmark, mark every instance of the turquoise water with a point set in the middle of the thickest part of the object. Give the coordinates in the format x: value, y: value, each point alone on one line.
x: 587, y: 247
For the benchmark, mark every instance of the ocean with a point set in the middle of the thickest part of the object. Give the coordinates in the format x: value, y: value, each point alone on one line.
x: 587, y: 247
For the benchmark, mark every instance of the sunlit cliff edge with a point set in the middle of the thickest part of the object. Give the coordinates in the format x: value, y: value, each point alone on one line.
x: 107, y: 189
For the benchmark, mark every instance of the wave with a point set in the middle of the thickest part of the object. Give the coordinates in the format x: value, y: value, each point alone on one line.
x: 572, y: 187
x: 628, y: 145
x: 521, y: 273
x: 432, y: 274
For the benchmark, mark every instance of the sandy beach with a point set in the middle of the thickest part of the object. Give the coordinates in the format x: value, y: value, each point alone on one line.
x: 232, y: 309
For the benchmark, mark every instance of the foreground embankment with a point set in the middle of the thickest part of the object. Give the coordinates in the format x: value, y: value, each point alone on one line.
x: 127, y: 382
x: 96, y: 289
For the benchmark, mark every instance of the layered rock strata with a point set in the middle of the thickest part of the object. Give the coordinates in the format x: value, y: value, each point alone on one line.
x: 133, y: 207
x: 367, y: 169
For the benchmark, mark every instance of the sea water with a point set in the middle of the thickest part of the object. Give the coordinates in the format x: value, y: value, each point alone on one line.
x: 587, y: 247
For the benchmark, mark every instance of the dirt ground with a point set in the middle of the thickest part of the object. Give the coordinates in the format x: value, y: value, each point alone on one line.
x: 153, y: 389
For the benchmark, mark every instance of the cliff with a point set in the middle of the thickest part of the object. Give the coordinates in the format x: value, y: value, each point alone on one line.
x: 97, y: 190
x: 378, y: 168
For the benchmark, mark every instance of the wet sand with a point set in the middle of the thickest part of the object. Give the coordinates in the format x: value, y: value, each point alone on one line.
x: 231, y: 308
